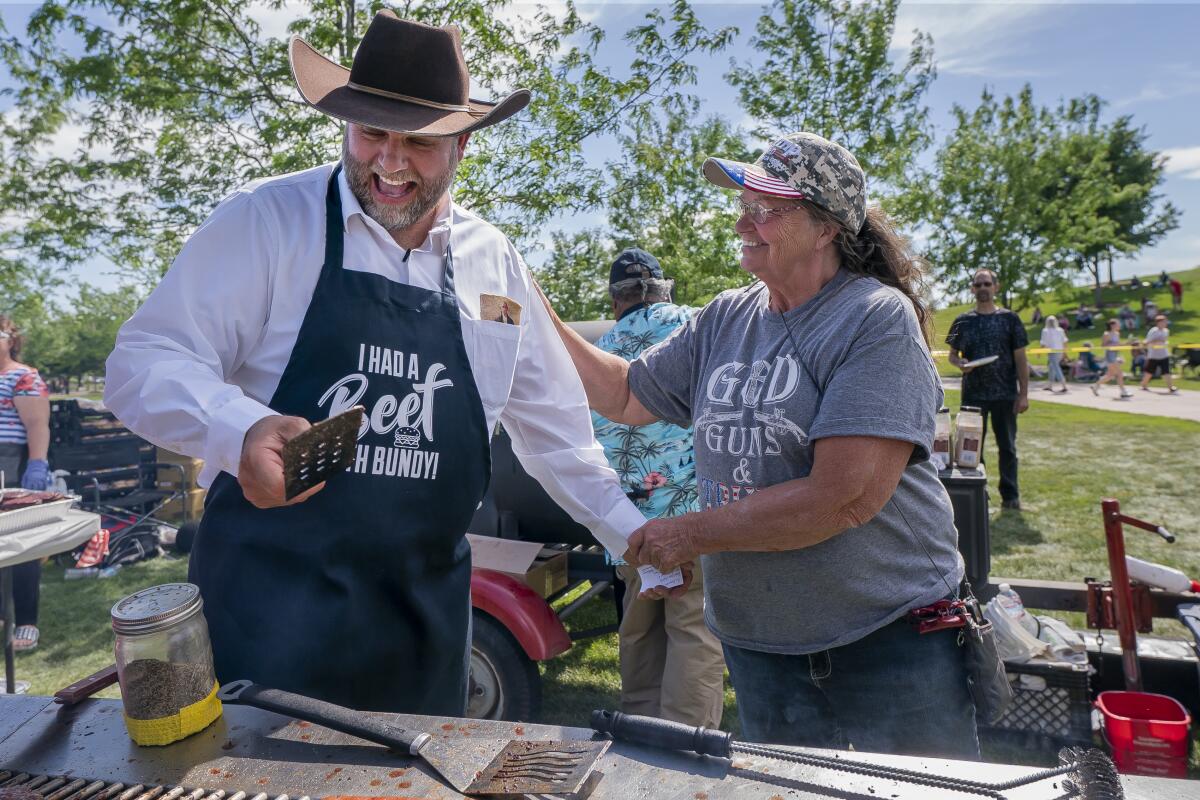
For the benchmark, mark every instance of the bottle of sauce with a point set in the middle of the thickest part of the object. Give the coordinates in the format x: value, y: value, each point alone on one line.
x: 968, y: 437
x: 941, y: 439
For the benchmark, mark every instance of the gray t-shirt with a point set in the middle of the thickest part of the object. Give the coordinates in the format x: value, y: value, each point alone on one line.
x: 854, y: 364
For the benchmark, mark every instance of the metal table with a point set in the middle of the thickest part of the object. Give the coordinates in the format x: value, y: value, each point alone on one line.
x: 29, y: 544
x: 259, y: 752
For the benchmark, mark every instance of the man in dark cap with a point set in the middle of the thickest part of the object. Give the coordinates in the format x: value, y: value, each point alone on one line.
x: 671, y: 664
x: 359, y: 283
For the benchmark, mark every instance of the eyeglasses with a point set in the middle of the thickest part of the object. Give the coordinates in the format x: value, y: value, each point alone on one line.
x: 979, y: 284
x: 760, y: 213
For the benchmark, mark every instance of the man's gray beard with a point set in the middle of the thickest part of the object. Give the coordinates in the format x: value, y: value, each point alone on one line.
x: 392, y: 218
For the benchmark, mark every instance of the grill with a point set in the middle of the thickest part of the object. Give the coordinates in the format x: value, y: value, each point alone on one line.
x: 71, y: 788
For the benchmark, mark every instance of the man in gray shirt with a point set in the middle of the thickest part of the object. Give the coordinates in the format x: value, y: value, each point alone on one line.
x: 822, y: 521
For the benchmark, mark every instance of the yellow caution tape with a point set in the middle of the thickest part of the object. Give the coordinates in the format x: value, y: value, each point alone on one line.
x: 1079, y: 349
x: 165, y: 730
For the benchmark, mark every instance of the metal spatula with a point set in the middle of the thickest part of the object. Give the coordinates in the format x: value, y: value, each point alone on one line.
x: 475, y: 766
x: 321, y: 451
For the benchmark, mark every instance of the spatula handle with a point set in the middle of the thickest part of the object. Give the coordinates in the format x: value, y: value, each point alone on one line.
x: 338, y: 718
x: 662, y: 733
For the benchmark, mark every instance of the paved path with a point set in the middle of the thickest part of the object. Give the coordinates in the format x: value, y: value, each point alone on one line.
x: 1185, y: 404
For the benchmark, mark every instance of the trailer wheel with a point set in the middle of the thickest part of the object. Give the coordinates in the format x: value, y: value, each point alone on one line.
x: 504, y: 682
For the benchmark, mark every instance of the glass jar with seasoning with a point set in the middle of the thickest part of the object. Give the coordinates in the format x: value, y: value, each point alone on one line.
x: 164, y: 663
x: 968, y: 437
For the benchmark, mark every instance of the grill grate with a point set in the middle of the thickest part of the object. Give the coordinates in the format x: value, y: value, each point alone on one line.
x: 67, y: 788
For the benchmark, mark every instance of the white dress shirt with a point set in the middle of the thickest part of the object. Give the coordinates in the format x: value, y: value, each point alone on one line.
x: 196, y: 365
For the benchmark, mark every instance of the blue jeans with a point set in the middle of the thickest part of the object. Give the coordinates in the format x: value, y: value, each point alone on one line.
x: 1056, y: 373
x: 893, y: 691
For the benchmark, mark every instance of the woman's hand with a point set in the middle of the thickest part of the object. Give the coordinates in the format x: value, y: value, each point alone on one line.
x: 663, y: 543
x: 37, y: 475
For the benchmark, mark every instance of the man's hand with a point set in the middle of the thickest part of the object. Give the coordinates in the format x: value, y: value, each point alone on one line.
x: 664, y: 544
x: 1021, y: 404
x: 260, y: 471
x: 662, y: 592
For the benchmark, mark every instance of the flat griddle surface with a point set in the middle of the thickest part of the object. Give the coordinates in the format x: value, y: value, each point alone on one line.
x: 251, y: 750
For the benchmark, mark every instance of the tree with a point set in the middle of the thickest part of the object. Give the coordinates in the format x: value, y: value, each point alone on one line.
x: 1038, y: 194
x: 75, y: 343
x: 575, y: 277
x: 1107, y: 200
x: 658, y: 200
x: 823, y: 66
x: 179, y: 101
x: 661, y: 202
x: 986, y: 190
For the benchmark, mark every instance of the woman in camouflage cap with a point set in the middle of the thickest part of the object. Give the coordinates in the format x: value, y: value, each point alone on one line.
x: 813, y: 396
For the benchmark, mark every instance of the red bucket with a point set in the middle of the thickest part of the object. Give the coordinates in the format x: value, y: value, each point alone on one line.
x: 1148, y: 733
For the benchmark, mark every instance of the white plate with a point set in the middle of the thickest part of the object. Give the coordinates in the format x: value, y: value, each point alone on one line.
x: 979, y: 362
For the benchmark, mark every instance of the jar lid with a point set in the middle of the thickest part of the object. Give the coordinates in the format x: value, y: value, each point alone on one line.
x: 156, y: 608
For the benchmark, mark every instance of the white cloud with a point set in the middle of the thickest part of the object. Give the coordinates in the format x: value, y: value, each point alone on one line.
x: 1171, y: 82
x: 1183, y: 161
x: 972, y: 38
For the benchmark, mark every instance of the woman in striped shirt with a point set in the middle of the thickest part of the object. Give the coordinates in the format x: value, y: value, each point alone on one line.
x: 24, y: 440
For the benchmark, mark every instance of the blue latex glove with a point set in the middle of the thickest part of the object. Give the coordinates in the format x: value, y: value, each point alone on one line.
x: 37, y: 476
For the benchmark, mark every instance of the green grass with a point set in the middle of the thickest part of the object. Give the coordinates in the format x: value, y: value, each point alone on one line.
x: 76, y: 635
x: 1185, y: 325
x: 1070, y: 458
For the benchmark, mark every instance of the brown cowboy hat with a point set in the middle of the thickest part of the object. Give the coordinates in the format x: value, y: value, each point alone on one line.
x: 406, y: 77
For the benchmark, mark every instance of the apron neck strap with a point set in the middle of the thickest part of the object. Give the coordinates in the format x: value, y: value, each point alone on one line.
x: 335, y: 244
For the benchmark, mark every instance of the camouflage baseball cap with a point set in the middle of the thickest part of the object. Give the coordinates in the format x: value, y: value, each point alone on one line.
x: 802, y: 166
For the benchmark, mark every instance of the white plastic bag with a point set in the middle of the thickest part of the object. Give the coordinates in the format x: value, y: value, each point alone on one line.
x: 1012, y: 641
x: 1065, y: 644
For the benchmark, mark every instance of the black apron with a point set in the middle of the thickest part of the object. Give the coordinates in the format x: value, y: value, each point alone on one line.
x: 361, y: 594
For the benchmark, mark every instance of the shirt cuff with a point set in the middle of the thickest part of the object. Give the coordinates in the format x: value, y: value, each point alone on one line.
x: 226, y: 432
x: 617, y: 526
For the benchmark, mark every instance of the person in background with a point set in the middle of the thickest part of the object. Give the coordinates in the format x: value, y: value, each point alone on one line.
x: 24, y: 441
x: 1137, y: 357
x: 1038, y: 317
x: 1054, y: 338
x: 1158, y: 356
x: 1127, y: 317
x: 1083, y: 317
x: 1163, y: 280
x: 671, y: 664
x: 1000, y: 389
x: 1150, y: 311
x: 1085, y: 366
x: 1176, y: 294
x: 1112, y: 360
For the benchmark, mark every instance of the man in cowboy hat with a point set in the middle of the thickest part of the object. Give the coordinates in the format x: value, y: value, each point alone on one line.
x: 359, y: 283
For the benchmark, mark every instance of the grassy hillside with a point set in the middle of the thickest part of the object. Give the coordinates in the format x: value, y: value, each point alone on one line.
x: 1185, y: 326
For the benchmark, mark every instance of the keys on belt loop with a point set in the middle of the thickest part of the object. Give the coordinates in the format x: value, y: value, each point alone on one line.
x: 940, y: 616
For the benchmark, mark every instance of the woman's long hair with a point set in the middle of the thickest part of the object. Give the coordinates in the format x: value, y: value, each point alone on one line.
x: 879, y: 251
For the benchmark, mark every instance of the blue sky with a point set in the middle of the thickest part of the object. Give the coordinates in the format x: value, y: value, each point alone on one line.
x: 1140, y: 57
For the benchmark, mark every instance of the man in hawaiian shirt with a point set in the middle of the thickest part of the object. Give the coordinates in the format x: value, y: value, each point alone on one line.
x: 671, y: 664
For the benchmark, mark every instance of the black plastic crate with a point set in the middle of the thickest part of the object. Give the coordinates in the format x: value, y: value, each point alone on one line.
x: 1059, y: 714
